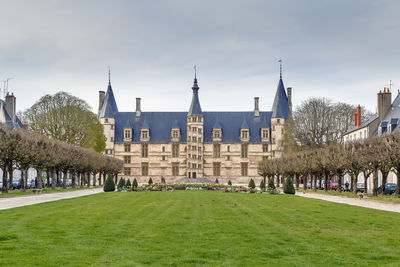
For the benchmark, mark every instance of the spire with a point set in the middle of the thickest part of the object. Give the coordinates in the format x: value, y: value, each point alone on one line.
x: 109, y: 75
x: 280, y: 64
x: 280, y: 108
x: 195, y: 108
x: 110, y: 105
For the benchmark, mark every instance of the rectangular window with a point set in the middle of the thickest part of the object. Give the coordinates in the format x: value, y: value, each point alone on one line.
x: 245, y: 134
x: 264, y: 133
x: 162, y: 157
x: 199, y: 139
x: 243, y: 153
x: 127, y: 147
x: 106, y: 120
x: 145, y: 150
x: 194, y: 119
x: 175, y: 134
x: 199, y: 149
x: 127, y: 134
x: 127, y: 171
x: 244, y: 168
x: 112, y: 127
x: 145, y: 134
x: 145, y: 168
x: 216, y: 150
x: 127, y: 159
x: 228, y: 157
x: 217, y: 168
x: 228, y: 149
x: 175, y: 168
x: 265, y: 148
x: 175, y: 150
x: 112, y: 139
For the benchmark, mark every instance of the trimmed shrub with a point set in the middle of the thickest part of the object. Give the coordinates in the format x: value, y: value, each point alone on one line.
x: 109, y: 185
x: 150, y: 181
x: 121, y: 183
x: 229, y: 183
x: 271, y: 185
x: 262, y: 185
x: 135, y: 184
x: 288, y: 188
x: 252, y: 184
x: 216, y: 181
x: 128, y: 183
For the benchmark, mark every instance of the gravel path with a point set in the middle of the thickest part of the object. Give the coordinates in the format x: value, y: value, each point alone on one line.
x: 372, y: 204
x: 13, y: 202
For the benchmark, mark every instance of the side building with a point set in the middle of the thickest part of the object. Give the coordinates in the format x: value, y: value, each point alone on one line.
x: 196, y: 144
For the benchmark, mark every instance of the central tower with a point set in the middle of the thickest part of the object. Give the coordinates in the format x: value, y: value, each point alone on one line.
x: 195, y: 140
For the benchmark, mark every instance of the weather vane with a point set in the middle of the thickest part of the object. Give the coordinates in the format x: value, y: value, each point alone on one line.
x: 280, y: 63
x: 195, y: 71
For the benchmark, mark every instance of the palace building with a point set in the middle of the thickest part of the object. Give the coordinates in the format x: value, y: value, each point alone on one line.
x: 194, y: 144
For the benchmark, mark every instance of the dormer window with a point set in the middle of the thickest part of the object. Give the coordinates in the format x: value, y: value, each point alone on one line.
x: 217, y: 134
x: 264, y: 134
x: 244, y: 134
x: 175, y: 134
x: 127, y: 134
x: 144, y: 135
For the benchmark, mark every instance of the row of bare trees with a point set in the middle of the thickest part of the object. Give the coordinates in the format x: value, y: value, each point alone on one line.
x: 318, y: 166
x: 20, y: 149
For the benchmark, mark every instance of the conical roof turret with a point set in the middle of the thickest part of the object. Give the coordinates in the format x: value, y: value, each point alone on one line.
x: 195, y: 108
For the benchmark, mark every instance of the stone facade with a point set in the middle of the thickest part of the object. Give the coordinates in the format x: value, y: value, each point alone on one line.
x: 190, y: 146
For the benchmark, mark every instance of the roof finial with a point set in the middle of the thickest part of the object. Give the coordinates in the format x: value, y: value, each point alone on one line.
x: 280, y: 63
x: 195, y: 71
x: 109, y: 75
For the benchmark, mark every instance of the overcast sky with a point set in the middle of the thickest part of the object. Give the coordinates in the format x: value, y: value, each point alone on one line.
x: 342, y: 50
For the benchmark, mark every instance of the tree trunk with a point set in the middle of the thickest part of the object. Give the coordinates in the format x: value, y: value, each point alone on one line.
x: 340, y: 178
x: 65, y: 176
x: 375, y: 182
x: 58, y: 182
x: 53, y: 178
x: 88, y: 179
x: 326, y: 181
x: 315, y: 182
x: 4, y: 189
x: 94, y: 179
x: 104, y: 177
x: 354, y: 183
x: 22, y: 180
x: 384, y: 180
x: 73, y: 179
x: 305, y: 182
x: 366, y: 175
x: 39, y: 178
x: 11, y: 176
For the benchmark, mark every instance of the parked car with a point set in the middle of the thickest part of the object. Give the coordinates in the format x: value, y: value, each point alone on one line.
x: 16, y: 184
x: 360, y: 187
x: 389, y: 189
x: 333, y: 186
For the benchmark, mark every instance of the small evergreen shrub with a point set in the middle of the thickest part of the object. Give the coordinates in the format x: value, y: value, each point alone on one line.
x: 271, y: 185
x: 128, y: 183
x: 109, y: 185
x: 135, y: 184
x: 288, y: 188
x: 150, y: 181
x: 229, y: 183
x: 216, y: 181
x: 121, y: 183
x: 262, y: 185
x: 252, y: 184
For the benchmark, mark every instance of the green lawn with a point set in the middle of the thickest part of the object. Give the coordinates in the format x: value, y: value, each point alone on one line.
x: 197, y: 228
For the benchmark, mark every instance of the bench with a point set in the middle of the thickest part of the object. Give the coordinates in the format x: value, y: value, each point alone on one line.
x: 37, y: 191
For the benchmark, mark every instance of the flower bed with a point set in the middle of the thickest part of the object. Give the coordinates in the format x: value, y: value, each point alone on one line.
x: 213, y: 187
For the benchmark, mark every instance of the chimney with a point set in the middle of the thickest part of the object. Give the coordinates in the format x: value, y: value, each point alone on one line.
x: 256, y: 106
x: 11, y: 106
x: 289, y: 97
x: 384, y: 103
x: 102, y: 97
x: 357, y: 116
x: 138, y: 111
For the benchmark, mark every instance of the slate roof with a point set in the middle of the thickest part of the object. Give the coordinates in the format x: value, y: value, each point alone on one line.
x: 160, y: 124
x: 366, y: 123
x: 109, y: 108
x: 280, y: 108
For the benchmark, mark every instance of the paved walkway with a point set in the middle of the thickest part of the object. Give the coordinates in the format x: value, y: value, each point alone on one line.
x: 13, y: 202
x: 372, y: 204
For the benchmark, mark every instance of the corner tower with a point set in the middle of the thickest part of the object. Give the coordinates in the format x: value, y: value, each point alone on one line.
x: 195, y: 124
x: 281, y: 111
x: 107, y: 110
